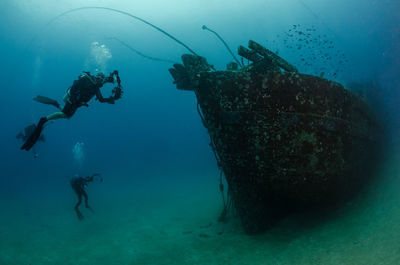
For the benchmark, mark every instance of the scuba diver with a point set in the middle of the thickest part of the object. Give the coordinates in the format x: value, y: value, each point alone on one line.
x: 79, y: 184
x: 25, y: 133
x: 82, y: 90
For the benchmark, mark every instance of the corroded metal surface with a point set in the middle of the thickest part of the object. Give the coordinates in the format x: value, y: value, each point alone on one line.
x: 286, y: 140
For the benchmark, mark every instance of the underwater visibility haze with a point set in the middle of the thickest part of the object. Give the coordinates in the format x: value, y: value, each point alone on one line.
x: 164, y: 168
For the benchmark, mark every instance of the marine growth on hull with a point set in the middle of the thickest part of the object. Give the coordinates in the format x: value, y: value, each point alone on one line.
x: 285, y: 141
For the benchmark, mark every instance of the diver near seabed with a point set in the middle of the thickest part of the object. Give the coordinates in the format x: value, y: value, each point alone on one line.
x: 82, y: 91
x: 79, y: 184
x: 26, y: 132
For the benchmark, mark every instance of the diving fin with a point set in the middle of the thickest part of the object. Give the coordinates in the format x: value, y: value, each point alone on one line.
x: 48, y: 101
x: 34, y: 137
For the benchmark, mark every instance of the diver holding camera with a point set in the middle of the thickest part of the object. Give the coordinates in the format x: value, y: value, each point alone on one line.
x: 79, y: 94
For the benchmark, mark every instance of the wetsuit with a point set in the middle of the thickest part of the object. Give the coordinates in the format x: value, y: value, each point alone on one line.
x: 83, y: 90
x: 78, y: 184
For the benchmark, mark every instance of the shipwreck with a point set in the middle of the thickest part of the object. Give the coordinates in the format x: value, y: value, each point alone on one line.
x: 285, y: 141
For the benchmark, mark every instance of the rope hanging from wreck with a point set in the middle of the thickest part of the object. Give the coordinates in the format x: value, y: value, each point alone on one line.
x: 211, y: 140
x: 227, y: 204
x: 204, y: 27
x: 120, y: 12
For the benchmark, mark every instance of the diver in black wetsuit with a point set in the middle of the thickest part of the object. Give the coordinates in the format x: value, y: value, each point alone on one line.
x: 79, y: 94
x: 79, y: 184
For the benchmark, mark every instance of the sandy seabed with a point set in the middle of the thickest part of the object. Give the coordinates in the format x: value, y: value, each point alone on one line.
x: 178, y: 226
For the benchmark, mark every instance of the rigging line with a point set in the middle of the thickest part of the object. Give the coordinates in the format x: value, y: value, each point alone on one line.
x: 140, y: 53
x: 120, y: 12
x: 225, y: 44
x: 318, y: 18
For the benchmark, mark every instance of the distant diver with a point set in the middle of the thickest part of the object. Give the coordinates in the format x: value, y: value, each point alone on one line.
x: 25, y: 133
x: 82, y: 91
x: 79, y: 184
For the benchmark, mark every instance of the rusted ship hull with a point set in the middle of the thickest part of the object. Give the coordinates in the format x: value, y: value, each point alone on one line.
x: 286, y: 141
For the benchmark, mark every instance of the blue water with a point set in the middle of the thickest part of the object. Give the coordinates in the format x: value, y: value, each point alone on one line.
x: 160, y: 179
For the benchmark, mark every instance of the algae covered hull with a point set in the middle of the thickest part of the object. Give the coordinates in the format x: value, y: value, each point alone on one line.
x: 285, y: 140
